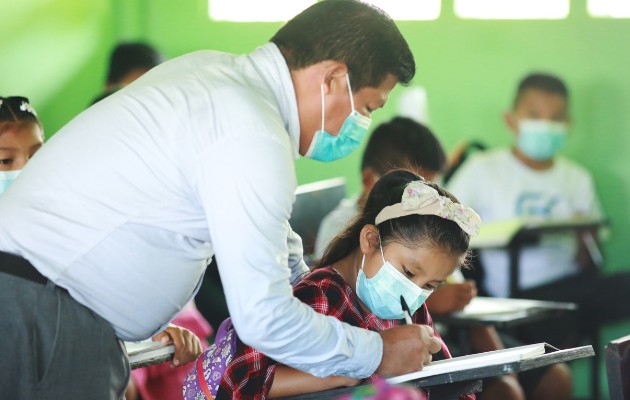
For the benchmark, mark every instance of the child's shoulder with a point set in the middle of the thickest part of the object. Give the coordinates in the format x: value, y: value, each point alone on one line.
x: 323, y: 283
x: 319, y: 276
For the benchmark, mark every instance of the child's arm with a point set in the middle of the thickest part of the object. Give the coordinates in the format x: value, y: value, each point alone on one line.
x: 290, y: 382
x: 451, y: 297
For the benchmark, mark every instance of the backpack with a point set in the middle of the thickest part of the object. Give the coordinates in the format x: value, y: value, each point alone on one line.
x: 203, y: 380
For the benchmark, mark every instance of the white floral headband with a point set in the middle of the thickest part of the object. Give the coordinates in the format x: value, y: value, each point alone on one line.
x: 419, y: 198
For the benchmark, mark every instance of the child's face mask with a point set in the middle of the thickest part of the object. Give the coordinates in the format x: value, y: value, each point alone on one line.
x: 541, y: 139
x: 381, y: 293
x: 7, y: 178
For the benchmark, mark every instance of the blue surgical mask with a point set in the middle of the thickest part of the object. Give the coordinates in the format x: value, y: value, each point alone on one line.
x: 541, y: 139
x: 381, y: 293
x: 7, y: 178
x: 327, y: 147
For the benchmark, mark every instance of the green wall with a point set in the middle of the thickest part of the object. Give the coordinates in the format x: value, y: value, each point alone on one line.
x: 55, y: 51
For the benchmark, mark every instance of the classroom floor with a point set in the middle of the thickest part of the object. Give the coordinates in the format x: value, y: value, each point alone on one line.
x: 582, y: 370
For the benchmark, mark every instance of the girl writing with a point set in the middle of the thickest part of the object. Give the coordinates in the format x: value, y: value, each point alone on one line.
x: 409, y: 237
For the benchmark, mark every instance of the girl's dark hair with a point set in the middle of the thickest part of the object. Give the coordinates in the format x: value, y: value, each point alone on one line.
x: 411, y: 230
x: 16, y: 110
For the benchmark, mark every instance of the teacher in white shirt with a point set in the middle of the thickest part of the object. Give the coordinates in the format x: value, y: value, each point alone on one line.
x: 108, y: 230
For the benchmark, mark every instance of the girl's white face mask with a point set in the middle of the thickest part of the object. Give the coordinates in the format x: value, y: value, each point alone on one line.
x: 7, y: 178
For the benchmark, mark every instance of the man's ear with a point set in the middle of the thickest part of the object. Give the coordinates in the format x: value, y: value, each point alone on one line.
x: 369, y: 239
x: 368, y: 179
x: 333, y: 71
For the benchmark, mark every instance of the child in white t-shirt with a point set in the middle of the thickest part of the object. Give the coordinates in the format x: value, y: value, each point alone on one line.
x: 531, y: 180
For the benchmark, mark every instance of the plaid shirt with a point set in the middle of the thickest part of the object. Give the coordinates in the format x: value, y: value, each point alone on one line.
x: 250, y: 374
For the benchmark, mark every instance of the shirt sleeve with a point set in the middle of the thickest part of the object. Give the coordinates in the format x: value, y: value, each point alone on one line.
x: 299, y: 269
x: 246, y: 187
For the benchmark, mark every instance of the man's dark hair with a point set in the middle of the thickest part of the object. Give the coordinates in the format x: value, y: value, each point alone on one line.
x: 129, y: 56
x: 403, y: 143
x: 541, y: 81
x: 357, y: 34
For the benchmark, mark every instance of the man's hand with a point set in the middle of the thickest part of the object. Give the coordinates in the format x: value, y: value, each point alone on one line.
x: 187, y: 345
x: 451, y: 297
x: 407, y: 349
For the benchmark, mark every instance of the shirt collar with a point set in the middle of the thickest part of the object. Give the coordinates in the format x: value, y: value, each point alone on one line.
x: 273, y: 68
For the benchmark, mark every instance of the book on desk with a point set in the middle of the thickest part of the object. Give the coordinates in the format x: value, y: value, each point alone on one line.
x: 463, y: 375
x: 458, y: 364
x: 500, y: 234
x: 492, y: 306
x: 142, y: 354
x: 492, y: 363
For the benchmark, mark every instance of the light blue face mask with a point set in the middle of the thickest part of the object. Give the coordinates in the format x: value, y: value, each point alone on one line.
x: 327, y: 147
x: 381, y: 293
x: 7, y: 178
x: 540, y: 139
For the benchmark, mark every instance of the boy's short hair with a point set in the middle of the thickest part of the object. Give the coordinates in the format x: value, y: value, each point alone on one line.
x: 541, y: 81
x: 349, y: 31
x: 129, y: 56
x: 403, y: 143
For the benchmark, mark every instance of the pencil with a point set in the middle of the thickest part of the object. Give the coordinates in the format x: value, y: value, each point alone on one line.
x: 405, y: 309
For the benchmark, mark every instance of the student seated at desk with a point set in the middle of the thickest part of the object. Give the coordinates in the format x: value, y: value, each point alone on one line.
x: 405, y: 143
x: 531, y: 180
x: 408, y: 238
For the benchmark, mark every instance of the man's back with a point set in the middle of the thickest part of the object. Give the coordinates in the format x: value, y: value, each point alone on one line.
x: 132, y: 189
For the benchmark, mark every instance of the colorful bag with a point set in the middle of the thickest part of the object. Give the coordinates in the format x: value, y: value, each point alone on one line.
x: 203, y: 380
x: 381, y: 390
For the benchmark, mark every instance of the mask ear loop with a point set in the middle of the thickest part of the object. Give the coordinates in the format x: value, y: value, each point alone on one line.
x: 350, y: 92
x: 380, y: 244
x: 321, y: 87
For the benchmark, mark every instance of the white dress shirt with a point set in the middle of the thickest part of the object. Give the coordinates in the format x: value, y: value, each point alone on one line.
x: 125, y: 205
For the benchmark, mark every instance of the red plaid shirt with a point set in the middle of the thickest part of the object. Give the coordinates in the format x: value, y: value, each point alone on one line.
x: 250, y: 373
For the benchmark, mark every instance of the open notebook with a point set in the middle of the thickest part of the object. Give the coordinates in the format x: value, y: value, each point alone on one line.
x: 489, y: 358
x: 147, y: 353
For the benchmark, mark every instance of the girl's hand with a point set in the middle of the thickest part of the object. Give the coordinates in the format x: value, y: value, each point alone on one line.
x: 187, y: 345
